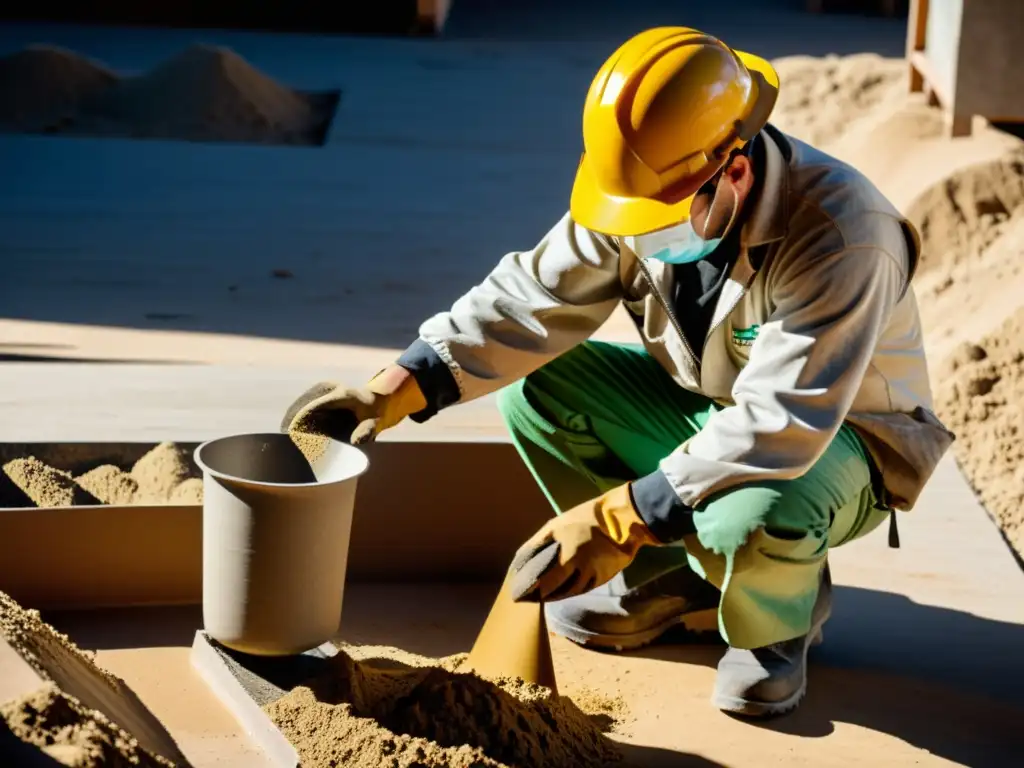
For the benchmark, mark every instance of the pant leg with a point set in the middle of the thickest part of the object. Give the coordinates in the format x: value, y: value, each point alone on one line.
x: 764, y: 544
x: 596, y: 417
x: 604, y: 414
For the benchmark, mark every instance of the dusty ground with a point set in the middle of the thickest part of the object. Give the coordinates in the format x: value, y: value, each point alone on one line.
x: 82, y: 716
x: 388, y: 707
x: 203, y: 94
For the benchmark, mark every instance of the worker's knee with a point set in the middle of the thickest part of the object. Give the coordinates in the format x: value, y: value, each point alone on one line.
x: 784, y: 510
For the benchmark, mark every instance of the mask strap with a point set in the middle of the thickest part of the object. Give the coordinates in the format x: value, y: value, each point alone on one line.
x: 732, y: 215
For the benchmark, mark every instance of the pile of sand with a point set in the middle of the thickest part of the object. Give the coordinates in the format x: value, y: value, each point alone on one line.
x: 402, y: 712
x: 42, y: 87
x: 205, y: 93
x: 821, y: 99
x: 981, y: 397
x: 77, y: 716
x: 971, y: 293
x: 164, y: 475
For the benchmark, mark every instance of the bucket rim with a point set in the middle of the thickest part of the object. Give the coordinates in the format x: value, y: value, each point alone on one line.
x: 364, y: 463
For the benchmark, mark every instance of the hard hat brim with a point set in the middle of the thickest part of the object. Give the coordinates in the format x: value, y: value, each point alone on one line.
x: 593, y: 208
x: 619, y: 216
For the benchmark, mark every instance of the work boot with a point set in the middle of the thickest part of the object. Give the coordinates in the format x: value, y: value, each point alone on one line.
x: 618, y: 617
x: 772, y: 680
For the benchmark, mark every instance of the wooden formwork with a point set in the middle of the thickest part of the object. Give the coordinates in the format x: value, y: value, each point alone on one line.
x: 440, y: 511
x: 963, y: 56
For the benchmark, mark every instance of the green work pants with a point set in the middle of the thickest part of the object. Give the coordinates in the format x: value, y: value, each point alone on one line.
x: 604, y: 414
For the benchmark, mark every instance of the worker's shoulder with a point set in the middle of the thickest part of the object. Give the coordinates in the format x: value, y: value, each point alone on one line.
x: 838, y: 203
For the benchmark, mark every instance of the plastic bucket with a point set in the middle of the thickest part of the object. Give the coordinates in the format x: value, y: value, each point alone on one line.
x: 276, y: 532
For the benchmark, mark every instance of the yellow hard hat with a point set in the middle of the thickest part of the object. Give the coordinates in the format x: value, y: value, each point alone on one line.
x: 660, y: 120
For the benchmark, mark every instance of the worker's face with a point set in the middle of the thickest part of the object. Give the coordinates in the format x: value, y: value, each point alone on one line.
x: 717, y: 204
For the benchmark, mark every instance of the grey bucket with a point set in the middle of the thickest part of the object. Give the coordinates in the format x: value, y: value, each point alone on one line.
x: 276, y: 532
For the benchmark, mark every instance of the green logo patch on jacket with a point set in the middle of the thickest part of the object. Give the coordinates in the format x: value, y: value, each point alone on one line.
x: 745, y: 337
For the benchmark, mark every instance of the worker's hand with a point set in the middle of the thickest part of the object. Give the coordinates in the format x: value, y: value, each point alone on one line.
x: 356, y: 415
x: 580, y: 549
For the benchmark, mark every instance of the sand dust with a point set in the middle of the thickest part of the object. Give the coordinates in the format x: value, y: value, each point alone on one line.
x: 164, y: 475
x: 389, y: 708
x: 205, y: 93
x: 312, y: 444
x: 78, y: 716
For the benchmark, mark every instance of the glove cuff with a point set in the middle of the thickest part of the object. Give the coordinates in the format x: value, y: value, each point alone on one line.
x: 622, y: 522
x: 400, y: 393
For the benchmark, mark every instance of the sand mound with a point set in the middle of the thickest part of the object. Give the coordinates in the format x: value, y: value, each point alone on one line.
x: 44, y: 485
x: 390, y: 710
x: 981, y: 397
x: 159, y: 472
x: 820, y: 99
x: 109, y: 484
x: 42, y: 85
x: 959, y: 217
x: 81, y: 716
x: 71, y: 734
x: 164, y: 475
x: 188, y: 492
x: 206, y: 93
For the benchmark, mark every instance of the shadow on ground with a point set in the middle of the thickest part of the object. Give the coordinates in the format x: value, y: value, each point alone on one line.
x: 895, y: 666
x: 412, y: 201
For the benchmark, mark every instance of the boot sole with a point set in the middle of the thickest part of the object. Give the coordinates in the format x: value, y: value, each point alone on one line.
x: 696, y: 623
x: 765, y: 709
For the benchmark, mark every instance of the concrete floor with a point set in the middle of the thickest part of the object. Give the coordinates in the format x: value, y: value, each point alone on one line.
x: 857, y: 712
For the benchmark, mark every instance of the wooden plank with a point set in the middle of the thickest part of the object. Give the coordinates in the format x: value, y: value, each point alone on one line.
x: 233, y: 695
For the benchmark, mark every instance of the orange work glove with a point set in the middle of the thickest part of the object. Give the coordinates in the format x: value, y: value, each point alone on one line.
x: 580, y: 549
x: 356, y: 415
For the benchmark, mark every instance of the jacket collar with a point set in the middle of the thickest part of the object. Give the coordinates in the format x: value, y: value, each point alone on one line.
x: 770, y: 217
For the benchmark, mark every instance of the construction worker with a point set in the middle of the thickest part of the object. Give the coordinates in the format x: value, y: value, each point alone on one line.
x: 778, y: 406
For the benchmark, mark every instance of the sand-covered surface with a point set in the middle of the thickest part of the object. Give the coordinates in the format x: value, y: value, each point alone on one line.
x: 371, y: 706
x: 164, y: 475
x: 205, y: 93
x: 384, y: 707
x: 81, y: 715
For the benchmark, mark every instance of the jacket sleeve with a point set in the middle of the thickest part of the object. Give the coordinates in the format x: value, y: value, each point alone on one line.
x: 790, y: 400
x: 531, y: 308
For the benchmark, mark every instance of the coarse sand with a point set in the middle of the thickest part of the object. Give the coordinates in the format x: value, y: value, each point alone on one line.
x: 205, y: 93
x: 820, y: 99
x: 164, y: 475
x: 44, y: 485
x: 981, y: 398
x: 391, y: 710
x: 80, y: 715
x: 110, y: 484
x: 159, y: 472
